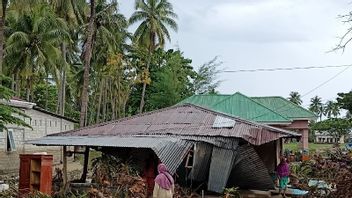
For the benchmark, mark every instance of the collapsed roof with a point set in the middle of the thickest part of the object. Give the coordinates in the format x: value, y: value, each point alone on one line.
x: 171, y: 132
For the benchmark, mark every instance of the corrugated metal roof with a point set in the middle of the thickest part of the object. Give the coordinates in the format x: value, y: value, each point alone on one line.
x: 249, y: 171
x: 244, y: 107
x: 171, y: 151
x: 285, y: 107
x: 239, y: 105
x: 185, y: 120
x: 220, y: 168
x: 271, y: 110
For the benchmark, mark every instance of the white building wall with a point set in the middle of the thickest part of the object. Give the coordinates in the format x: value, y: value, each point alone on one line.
x: 42, y: 124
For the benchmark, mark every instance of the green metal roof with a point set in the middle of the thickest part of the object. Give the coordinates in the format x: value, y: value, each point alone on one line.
x: 273, y: 109
x: 285, y: 107
x: 204, y: 100
x: 246, y: 108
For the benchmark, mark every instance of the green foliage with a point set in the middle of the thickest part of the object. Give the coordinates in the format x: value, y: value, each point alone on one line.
x: 8, y: 114
x: 206, y: 79
x: 43, y: 46
x: 171, y: 80
x: 331, y: 109
x: 295, y: 97
x: 45, y: 96
x: 154, y: 17
x: 336, y: 127
x: 345, y: 101
x: 232, y: 192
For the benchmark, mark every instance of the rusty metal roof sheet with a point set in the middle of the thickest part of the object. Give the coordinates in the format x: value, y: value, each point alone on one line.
x: 171, y: 151
x: 249, y: 171
x: 184, y: 120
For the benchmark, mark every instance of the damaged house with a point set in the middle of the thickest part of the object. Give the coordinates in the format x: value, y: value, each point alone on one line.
x: 202, y: 146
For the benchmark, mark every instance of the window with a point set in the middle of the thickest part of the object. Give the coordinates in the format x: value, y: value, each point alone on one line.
x: 55, y: 123
x: 35, y: 122
x: 65, y: 126
x: 10, y: 143
x: 40, y: 122
x: 50, y: 123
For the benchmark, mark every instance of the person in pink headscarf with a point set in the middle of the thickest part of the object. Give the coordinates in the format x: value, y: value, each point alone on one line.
x: 164, y: 183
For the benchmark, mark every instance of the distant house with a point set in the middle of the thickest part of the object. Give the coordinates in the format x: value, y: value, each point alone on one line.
x: 324, y: 137
x: 12, y: 140
x: 272, y: 110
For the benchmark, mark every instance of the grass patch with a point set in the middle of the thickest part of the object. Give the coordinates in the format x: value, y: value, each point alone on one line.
x: 312, y: 146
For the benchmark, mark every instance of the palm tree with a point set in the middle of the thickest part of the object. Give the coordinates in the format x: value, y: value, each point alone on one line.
x: 87, y: 55
x: 295, y: 97
x: 316, y: 106
x: 73, y: 11
x: 331, y: 109
x: 32, y: 47
x: 154, y: 17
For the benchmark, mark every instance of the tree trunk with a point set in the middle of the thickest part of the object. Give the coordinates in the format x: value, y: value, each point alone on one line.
x: 87, y: 50
x: 62, y: 88
x: 2, y: 40
x: 99, y: 101
x: 18, y: 88
x: 28, y: 89
x: 150, y: 50
x: 141, y: 106
x: 2, y: 36
x: 104, y: 100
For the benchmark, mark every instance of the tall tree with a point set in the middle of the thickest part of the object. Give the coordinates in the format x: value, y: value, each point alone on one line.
x: 331, y: 109
x: 32, y: 47
x: 295, y: 97
x: 87, y: 55
x: 73, y: 12
x: 316, y: 106
x: 154, y: 17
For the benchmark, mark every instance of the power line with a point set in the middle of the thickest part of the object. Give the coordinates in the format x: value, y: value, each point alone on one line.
x: 285, y: 68
x: 325, y: 82
x: 310, y: 91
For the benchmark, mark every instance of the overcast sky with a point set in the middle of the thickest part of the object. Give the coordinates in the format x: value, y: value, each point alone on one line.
x: 250, y: 34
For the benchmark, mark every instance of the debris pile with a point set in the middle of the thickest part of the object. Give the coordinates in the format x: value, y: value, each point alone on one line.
x: 333, y: 168
x: 116, y: 178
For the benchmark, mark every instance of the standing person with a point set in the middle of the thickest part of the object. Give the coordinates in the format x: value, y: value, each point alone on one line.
x: 283, y: 171
x: 164, y: 183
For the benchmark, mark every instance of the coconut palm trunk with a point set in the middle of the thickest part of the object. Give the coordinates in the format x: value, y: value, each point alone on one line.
x: 62, y: 92
x: 86, y: 64
x: 141, y: 106
x: 2, y: 36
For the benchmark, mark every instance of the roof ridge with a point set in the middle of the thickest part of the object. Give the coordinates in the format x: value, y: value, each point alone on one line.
x: 286, y: 118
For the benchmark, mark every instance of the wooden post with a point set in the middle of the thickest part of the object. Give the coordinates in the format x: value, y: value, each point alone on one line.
x: 85, y: 165
x: 64, y: 166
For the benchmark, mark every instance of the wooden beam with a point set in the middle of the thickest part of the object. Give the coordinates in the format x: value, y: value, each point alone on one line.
x: 85, y: 165
x: 64, y: 167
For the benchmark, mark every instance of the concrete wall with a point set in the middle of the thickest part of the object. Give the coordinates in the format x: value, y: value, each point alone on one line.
x: 42, y: 124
